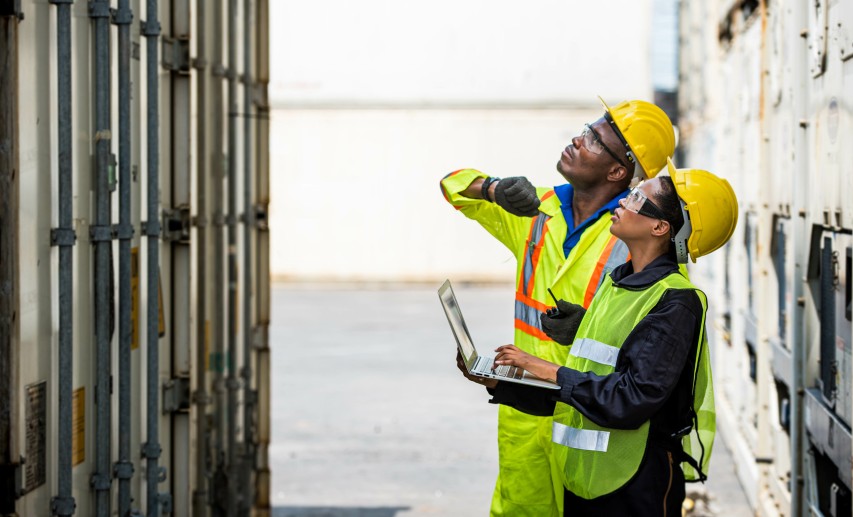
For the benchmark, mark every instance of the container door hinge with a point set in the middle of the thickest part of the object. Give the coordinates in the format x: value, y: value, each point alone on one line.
x: 63, y: 237
x: 63, y: 506
x: 100, y: 482
x: 176, y: 54
x: 260, y: 337
x: 260, y: 217
x: 176, y: 395
x: 165, y: 502
x: 151, y: 450
x: 123, y: 470
x: 176, y: 224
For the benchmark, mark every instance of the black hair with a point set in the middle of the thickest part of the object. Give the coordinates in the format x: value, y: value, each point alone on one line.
x: 669, y: 203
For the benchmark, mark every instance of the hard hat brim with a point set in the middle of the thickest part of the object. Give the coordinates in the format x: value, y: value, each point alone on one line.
x: 604, y: 104
x: 670, y: 167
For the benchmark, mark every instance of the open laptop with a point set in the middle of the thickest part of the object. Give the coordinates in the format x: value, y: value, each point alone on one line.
x: 477, y: 364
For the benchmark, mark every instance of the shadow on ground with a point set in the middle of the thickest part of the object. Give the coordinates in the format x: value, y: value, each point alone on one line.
x: 318, y: 511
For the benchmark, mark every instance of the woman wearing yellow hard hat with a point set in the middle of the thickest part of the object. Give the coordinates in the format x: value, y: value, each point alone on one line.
x: 634, y: 418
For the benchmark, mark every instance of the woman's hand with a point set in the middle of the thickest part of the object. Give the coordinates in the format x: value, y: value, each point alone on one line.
x: 482, y: 381
x: 513, y: 356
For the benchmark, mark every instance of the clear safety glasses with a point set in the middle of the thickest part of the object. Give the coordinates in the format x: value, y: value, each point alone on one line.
x: 592, y: 142
x: 639, y: 203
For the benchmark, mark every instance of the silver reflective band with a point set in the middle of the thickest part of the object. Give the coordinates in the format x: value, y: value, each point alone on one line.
x: 535, y: 236
x: 528, y: 315
x: 618, y: 256
x: 583, y: 439
x: 593, y: 350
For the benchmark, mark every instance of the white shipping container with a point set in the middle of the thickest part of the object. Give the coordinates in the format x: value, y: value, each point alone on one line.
x: 765, y: 92
x: 145, y: 387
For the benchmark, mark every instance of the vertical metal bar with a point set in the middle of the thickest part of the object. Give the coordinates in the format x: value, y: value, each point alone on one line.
x: 262, y: 271
x: 202, y: 465
x: 220, y: 490
x: 179, y: 336
x: 101, y: 480
x: 124, y: 467
x: 764, y: 226
x: 800, y: 242
x: 63, y: 504
x: 9, y: 284
x: 233, y: 384
x: 152, y: 449
x: 827, y: 321
x: 248, y: 286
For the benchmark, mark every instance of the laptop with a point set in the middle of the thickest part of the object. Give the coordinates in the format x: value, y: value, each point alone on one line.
x: 477, y: 364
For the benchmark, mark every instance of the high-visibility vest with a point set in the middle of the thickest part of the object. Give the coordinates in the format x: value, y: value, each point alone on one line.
x: 596, y: 460
x: 537, y: 241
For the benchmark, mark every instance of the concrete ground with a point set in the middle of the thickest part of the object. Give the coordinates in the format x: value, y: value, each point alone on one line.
x: 372, y: 419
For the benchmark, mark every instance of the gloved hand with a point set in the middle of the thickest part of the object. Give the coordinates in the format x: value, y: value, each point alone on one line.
x: 517, y: 196
x: 562, y: 324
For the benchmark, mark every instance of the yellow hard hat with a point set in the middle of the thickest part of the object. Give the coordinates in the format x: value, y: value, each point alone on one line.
x: 646, y: 130
x: 710, y: 210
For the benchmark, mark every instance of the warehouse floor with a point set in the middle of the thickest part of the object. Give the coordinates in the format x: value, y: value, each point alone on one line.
x: 370, y: 417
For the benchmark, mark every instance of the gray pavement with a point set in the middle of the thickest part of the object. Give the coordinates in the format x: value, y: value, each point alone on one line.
x: 372, y: 419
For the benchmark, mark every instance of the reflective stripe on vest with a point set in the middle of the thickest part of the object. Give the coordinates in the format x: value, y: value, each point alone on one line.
x: 527, y: 315
x: 586, y: 348
x: 615, y: 254
x: 583, y: 439
x: 527, y: 309
x: 531, y: 258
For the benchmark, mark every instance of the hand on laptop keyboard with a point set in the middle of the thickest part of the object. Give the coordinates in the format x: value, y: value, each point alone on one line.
x: 482, y: 381
x: 512, y: 372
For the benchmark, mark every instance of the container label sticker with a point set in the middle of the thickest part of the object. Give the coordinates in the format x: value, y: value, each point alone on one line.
x: 207, y: 344
x: 161, y: 321
x: 134, y: 302
x: 78, y: 426
x: 35, y: 471
x: 134, y: 298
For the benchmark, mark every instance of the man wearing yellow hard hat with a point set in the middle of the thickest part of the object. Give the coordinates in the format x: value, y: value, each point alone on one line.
x: 558, y: 233
x: 634, y: 417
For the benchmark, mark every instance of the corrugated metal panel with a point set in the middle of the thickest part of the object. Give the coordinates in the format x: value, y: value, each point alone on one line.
x: 775, y: 77
x: 173, y: 395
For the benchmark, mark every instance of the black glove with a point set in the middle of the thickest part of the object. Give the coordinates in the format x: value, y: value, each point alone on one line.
x: 517, y: 196
x: 561, y: 324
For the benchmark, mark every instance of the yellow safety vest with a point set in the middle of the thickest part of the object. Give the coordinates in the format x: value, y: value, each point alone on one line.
x: 596, y: 460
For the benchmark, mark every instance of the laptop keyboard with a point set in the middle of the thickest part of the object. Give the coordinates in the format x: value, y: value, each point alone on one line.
x: 484, y: 365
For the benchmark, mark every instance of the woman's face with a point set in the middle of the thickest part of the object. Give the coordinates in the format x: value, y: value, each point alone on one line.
x: 637, y: 214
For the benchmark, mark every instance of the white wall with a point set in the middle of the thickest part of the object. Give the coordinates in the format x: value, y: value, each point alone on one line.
x: 356, y: 192
x: 375, y: 101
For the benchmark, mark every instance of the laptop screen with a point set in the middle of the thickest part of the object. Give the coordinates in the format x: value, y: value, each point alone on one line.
x: 457, y: 323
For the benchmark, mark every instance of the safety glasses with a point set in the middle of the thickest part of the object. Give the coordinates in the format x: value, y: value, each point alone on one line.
x: 639, y: 203
x: 592, y: 142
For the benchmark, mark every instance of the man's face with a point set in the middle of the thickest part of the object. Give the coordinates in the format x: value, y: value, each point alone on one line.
x: 589, y: 157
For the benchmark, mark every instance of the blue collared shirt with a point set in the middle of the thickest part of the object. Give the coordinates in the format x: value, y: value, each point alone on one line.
x: 565, y: 194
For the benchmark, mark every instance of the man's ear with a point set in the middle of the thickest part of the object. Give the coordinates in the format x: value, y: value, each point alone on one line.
x: 618, y: 174
x: 661, y: 227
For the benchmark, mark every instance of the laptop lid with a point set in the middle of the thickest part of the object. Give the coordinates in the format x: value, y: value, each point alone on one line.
x: 457, y: 324
x: 466, y: 345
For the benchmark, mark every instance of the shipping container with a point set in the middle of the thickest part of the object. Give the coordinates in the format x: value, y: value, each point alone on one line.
x: 134, y: 269
x: 765, y: 99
